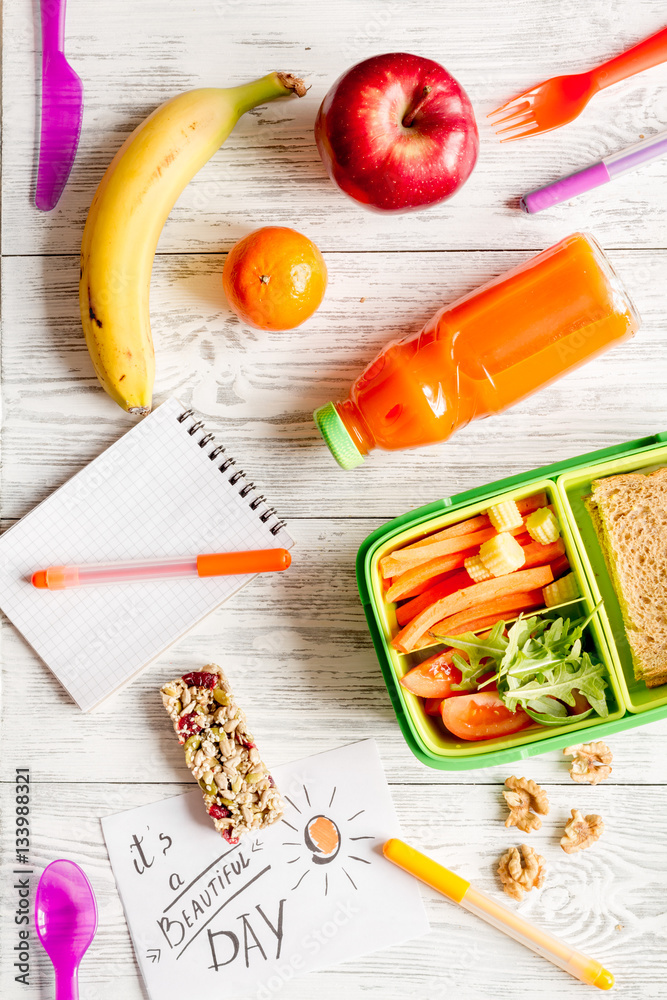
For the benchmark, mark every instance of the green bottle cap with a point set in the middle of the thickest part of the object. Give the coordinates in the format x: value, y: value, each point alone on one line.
x: 337, y: 437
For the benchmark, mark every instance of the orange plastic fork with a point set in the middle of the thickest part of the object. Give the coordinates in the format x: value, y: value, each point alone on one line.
x: 559, y: 100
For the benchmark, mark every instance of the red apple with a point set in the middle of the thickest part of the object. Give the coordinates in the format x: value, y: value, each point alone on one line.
x: 397, y: 133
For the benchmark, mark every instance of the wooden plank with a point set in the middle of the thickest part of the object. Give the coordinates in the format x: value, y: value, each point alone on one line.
x: 606, y: 901
x: 297, y: 646
x: 270, y: 172
x: 257, y: 391
x: 294, y: 645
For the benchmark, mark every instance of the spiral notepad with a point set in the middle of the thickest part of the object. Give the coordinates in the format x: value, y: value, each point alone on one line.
x: 166, y: 488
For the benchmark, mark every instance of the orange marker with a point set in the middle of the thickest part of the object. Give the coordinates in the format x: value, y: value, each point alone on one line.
x: 212, y: 564
x: 459, y: 891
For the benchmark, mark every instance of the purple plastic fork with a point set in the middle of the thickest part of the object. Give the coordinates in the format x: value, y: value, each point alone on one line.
x: 62, y: 109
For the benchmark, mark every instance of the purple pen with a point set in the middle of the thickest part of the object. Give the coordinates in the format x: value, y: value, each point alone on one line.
x: 599, y: 173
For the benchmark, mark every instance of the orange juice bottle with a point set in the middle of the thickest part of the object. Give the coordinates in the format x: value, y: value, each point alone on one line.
x: 484, y: 352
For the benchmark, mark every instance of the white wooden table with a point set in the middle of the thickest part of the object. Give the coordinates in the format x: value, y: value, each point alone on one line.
x: 296, y: 646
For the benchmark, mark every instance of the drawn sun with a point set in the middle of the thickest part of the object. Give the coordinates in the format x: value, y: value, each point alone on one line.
x: 325, y: 839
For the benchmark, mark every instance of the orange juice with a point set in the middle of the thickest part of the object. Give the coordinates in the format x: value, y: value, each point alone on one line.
x: 484, y: 352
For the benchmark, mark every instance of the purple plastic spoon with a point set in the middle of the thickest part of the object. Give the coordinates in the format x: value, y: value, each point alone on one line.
x: 62, y: 109
x: 66, y: 921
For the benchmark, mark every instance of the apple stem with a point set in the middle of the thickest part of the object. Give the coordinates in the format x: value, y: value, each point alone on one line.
x: 412, y: 112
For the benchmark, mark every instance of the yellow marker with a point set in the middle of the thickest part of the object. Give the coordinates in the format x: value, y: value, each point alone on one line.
x: 459, y: 891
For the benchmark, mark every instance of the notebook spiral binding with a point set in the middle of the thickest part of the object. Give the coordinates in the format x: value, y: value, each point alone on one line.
x: 258, y: 503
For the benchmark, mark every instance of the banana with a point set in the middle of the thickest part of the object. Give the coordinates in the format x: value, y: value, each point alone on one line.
x: 126, y: 217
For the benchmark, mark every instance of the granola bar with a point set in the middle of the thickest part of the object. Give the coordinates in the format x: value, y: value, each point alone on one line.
x: 239, y: 792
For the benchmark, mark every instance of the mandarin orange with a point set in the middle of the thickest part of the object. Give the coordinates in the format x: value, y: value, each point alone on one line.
x: 274, y: 278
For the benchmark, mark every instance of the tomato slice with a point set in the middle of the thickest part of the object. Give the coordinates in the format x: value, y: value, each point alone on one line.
x: 560, y: 566
x: 481, y: 716
x: 482, y: 686
x: 581, y: 703
x: 434, y: 677
x: 432, y: 706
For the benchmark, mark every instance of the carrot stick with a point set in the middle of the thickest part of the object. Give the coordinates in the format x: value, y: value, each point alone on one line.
x: 560, y: 566
x: 512, y: 583
x: 402, y: 560
x: 432, y: 581
x: 529, y: 504
x: 454, y: 582
x: 476, y: 625
x: 526, y: 506
x: 465, y: 621
x: 405, y: 559
x: 481, y: 626
x: 470, y: 625
x: 470, y: 620
x: 425, y: 572
x: 538, y: 555
x: 462, y: 528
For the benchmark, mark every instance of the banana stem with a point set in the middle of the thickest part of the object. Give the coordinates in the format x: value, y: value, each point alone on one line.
x: 267, y: 88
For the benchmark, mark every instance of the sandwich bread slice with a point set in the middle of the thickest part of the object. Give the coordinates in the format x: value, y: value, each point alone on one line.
x: 629, y: 513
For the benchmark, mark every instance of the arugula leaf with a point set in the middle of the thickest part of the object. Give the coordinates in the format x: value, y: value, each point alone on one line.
x: 483, y: 655
x: 548, y: 718
x: 539, y: 660
x: 518, y: 637
x: 546, y: 708
x: 558, y: 682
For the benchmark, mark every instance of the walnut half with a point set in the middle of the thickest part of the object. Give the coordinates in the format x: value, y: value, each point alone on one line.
x: 581, y: 832
x: 591, y: 763
x: 525, y: 799
x: 520, y: 873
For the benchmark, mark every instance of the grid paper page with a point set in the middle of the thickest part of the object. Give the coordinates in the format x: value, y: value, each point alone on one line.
x: 154, y: 493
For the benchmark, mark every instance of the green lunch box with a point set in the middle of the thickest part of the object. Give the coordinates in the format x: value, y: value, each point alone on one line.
x: 566, y: 484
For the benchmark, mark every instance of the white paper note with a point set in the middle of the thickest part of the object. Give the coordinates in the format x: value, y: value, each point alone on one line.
x: 309, y: 892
